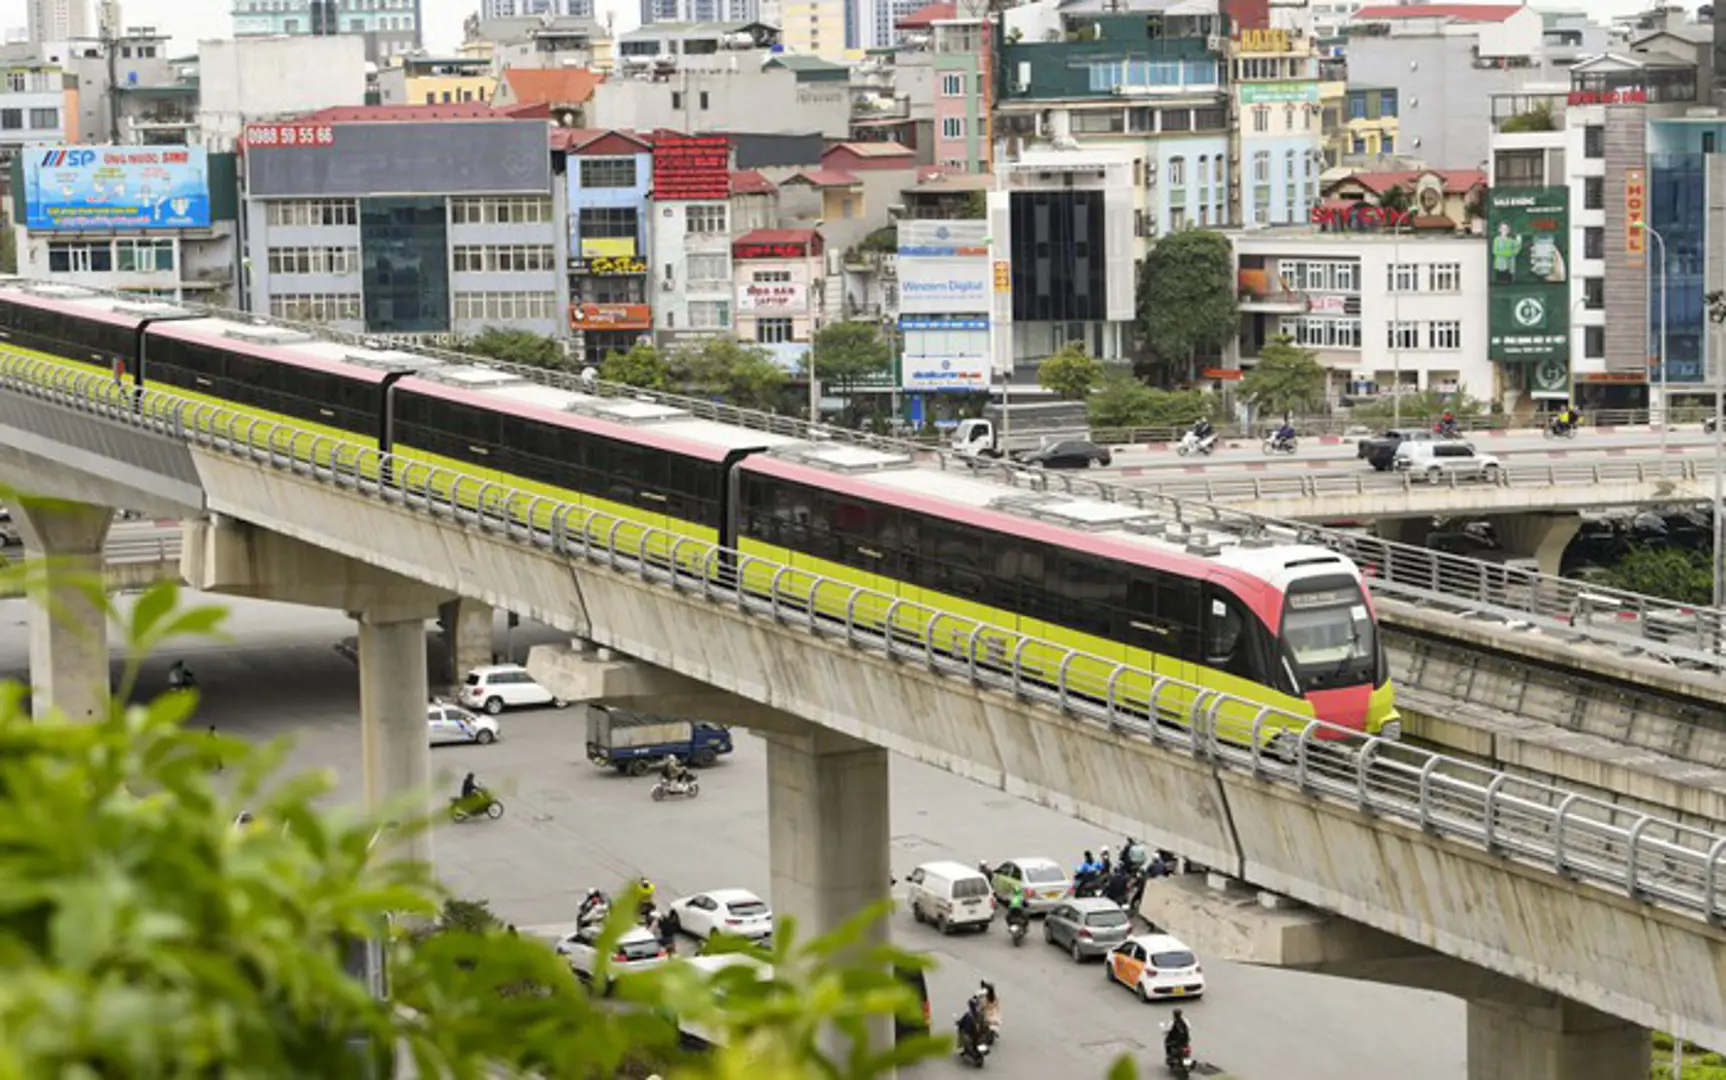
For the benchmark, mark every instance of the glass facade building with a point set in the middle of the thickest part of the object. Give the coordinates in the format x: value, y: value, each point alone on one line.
x: 1677, y: 205
x: 404, y: 255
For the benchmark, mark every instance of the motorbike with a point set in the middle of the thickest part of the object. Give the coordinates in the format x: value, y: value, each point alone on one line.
x: 1274, y: 445
x: 671, y: 788
x: 180, y: 677
x: 1192, y: 444
x: 1179, y: 1059
x: 1017, y: 929
x: 1447, y: 431
x: 1556, y: 430
x: 973, y: 1052
x: 479, y: 804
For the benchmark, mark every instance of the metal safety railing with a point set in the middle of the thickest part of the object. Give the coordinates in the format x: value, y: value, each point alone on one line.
x: 1364, y: 483
x: 1588, y: 840
x: 142, y: 543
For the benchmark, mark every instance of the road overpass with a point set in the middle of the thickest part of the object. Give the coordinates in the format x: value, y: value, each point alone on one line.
x: 135, y: 555
x: 1570, y: 924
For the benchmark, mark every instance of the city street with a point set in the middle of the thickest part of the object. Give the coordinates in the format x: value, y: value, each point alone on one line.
x: 570, y: 825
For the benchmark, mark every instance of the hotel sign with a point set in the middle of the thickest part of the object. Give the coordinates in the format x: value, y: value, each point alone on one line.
x: 1635, y: 207
x: 1265, y: 41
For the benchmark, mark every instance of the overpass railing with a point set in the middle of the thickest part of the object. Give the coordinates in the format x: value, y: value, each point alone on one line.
x: 1321, y: 485
x: 1588, y: 840
x: 1650, y: 627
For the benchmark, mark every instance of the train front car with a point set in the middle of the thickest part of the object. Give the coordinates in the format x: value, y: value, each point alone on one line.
x: 1327, y: 636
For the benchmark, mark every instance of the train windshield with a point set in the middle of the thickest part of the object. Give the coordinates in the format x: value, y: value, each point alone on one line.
x: 1329, y: 633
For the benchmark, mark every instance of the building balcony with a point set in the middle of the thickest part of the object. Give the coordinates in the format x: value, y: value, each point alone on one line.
x: 1264, y: 293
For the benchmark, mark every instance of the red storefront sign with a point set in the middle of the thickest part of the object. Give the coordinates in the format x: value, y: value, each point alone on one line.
x: 610, y: 317
x: 290, y: 135
x: 1627, y: 96
x: 769, y: 251
x: 692, y: 167
x: 1361, y: 215
x: 1223, y: 374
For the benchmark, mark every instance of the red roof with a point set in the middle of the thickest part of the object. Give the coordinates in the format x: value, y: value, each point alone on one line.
x: 366, y: 114
x: 1456, y: 12
x: 551, y: 86
x: 823, y: 178
x: 780, y: 236
x: 925, y: 15
x: 1456, y: 181
x: 751, y: 182
x: 575, y: 140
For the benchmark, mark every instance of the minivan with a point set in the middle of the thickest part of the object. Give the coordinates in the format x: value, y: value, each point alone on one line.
x: 950, y: 895
x: 497, y: 687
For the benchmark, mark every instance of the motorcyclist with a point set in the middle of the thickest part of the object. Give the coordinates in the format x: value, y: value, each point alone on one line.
x: 991, y: 1007
x: 1566, y: 419
x: 1179, y: 1037
x: 1086, y: 874
x: 971, y: 1026
x: 470, y: 787
x: 1105, y: 864
x: 1202, y: 429
x: 593, y: 908
x: 1447, y: 423
x: 1135, y: 856
x: 646, y: 909
x: 1016, y: 913
x: 1284, y: 435
x: 673, y: 772
x: 180, y: 676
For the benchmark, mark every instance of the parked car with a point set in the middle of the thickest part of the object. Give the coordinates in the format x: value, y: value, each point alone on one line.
x: 1087, y: 927
x: 1379, y: 451
x: 1042, y: 882
x: 497, y: 687
x: 729, y: 911
x: 1434, y: 461
x: 447, y: 723
x: 1156, y: 966
x: 950, y: 895
x: 637, y: 950
x: 1068, y: 454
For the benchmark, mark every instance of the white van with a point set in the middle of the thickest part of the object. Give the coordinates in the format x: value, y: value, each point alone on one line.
x: 950, y: 895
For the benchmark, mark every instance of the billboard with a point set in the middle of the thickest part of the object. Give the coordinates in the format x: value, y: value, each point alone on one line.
x: 610, y: 317
x: 692, y: 167
x: 1528, y: 291
x: 450, y: 157
x: 947, y: 283
x: 116, y: 187
x: 773, y: 296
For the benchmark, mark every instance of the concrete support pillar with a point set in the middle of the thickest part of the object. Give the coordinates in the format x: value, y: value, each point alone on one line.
x: 1561, y: 1040
x: 1541, y: 537
x: 469, y: 628
x: 68, y: 626
x: 829, y: 832
x: 395, y: 750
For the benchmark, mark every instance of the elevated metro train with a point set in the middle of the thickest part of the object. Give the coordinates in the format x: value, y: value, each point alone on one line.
x: 1285, y: 625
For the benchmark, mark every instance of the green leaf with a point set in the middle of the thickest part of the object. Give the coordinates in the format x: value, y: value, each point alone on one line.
x: 151, y: 607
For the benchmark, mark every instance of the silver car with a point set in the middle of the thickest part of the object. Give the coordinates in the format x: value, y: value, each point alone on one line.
x: 1088, y: 927
x: 1436, y: 461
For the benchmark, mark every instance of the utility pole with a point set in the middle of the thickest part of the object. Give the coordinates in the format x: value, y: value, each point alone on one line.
x: 109, y: 30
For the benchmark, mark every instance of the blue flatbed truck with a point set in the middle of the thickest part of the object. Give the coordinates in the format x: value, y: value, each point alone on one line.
x: 632, y: 743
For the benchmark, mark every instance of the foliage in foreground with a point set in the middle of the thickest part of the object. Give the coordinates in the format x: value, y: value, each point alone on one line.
x: 144, y: 934
x: 1674, y: 573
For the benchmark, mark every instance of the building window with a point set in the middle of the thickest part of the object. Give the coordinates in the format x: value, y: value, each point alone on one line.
x: 1290, y: 169
x: 1357, y: 106
x: 771, y: 277
x: 1594, y: 193
x: 1178, y: 172
x: 313, y: 260
x: 1594, y: 293
x: 1321, y: 275
x: 1593, y: 142
x: 1404, y: 277
x: 1288, y: 117
x: 952, y: 127
x: 81, y: 258
x: 1262, y: 167
x: 1594, y: 342
x: 677, y: 99
x: 316, y: 307
x: 773, y: 331
x: 1594, y: 243
x: 616, y: 172
x: 1404, y: 335
x: 708, y: 269
x: 1262, y: 118
x: 506, y: 306
x: 702, y: 103
x: 299, y: 213
x: 1446, y: 277
x: 1387, y: 104
x: 11, y: 119
x: 504, y: 258
x: 952, y: 86
x: 144, y: 256
x: 1445, y: 335
x: 709, y: 314
x: 704, y: 219
x: 1177, y: 218
x: 44, y: 119
x: 1209, y: 119
x: 500, y: 210
x: 607, y: 223
x: 1322, y: 332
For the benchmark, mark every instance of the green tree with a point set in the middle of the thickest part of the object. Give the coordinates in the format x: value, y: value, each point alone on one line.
x: 1070, y: 373
x: 743, y: 375
x: 1395, y: 198
x: 1674, y: 573
x: 1425, y: 407
x: 1122, y: 401
x: 1538, y: 118
x: 1187, y: 295
x: 145, y: 934
x: 520, y: 347
x: 1286, y: 379
x: 641, y: 367
x: 848, y: 352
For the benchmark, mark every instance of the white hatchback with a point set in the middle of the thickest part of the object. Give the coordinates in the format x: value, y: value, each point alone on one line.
x: 724, y: 911
x: 1156, y: 967
x: 497, y: 687
x: 448, y: 724
x: 636, y: 950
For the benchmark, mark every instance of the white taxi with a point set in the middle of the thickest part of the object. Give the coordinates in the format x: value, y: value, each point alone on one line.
x: 636, y: 950
x: 729, y: 911
x: 1156, y: 967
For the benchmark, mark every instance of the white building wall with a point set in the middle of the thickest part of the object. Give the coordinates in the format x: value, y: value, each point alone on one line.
x: 252, y: 79
x: 762, y: 102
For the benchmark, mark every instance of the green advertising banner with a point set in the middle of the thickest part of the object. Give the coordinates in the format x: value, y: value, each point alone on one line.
x: 1528, y: 248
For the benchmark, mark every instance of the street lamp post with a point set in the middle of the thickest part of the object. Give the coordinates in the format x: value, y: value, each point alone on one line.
x: 1661, y: 241
x: 1719, y: 487
x: 1396, y: 324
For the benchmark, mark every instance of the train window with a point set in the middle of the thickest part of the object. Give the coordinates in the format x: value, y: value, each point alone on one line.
x: 1228, y: 644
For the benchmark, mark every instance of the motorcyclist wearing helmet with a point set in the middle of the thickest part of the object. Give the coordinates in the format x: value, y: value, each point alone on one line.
x: 1202, y: 428
x: 1179, y: 1038
x: 672, y: 771
x: 593, y: 908
x: 1016, y: 913
x: 471, y: 787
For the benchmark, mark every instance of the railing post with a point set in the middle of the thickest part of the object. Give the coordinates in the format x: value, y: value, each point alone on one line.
x: 1109, y: 699
x: 1425, y: 804
x: 1061, y: 680
x: 971, y: 640
x: 1301, y: 753
x: 1362, y: 767
x: 1489, y: 815
x: 1018, y: 667
x: 1630, y: 869
x: 1256, y: 759
x: 851, y: 612
x: 773, y: 592
x: 1558, y: 832
x: 610, y: 541
x: 1711, y: 881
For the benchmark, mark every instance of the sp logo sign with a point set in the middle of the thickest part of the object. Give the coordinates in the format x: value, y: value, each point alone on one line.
x: 68, y: 159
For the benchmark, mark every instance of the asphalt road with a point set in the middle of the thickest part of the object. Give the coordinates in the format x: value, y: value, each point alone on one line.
x: 570, y: 825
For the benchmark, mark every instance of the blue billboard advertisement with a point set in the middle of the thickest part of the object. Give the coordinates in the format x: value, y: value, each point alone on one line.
x: 87, y: 188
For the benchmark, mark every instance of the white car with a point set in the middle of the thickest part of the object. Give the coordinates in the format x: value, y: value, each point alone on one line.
x: 1156, y: 967
x: 497, y: 687
x: 449, y: 724
x: 1437, y: 460
x: 728, y: 911
x: 636, y: 950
